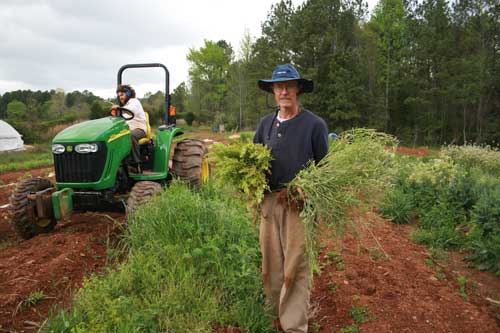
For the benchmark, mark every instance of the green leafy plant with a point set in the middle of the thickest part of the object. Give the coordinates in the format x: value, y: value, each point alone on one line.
x: 462, y: 283
x: 350, y: 329
x: 333, y: 286
x: 245, y: 166
x: 440, y: 273
x: 361, y: 314
x: 34, y: 298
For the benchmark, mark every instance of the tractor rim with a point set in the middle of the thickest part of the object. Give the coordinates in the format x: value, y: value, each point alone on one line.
x: 43, y: 222
x: 205, y: 170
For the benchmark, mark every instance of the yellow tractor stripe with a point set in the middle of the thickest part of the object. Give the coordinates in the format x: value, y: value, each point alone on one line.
x: 118, y: 135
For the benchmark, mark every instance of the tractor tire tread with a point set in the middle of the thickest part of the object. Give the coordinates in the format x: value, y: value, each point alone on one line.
x: 20, y: 217
x: 141, y: 192
x: 187, y: 161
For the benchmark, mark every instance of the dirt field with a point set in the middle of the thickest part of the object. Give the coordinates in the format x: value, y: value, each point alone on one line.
x: 54, y: 263
x: 395, y: 283
x: 401, y: 286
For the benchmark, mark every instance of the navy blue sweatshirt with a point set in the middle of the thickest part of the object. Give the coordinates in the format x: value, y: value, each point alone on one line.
x: 293, y: 144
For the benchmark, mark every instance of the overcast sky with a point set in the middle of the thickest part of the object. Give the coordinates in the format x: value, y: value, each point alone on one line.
x: 78, y: 45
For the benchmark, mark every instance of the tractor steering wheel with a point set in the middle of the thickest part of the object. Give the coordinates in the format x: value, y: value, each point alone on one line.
x: 124, y: 111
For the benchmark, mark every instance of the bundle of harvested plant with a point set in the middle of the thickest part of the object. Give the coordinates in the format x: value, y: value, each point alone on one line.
x: 245, y: 166
x: 357, y: 166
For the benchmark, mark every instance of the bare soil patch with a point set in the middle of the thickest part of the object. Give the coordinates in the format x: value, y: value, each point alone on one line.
x: 405, y: 291
x: 54, y: 264
x: 419, y: 152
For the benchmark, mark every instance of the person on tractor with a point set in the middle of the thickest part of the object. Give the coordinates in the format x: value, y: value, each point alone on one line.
x: 295, y: 137
x: 137, y: 125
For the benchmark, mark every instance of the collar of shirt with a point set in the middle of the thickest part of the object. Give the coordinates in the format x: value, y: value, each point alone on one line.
x: 280, y: 119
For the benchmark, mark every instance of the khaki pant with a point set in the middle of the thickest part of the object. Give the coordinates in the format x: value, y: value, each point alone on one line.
x: 137, y: 134
x: 285, y: 268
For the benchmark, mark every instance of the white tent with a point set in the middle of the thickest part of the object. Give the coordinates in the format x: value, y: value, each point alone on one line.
x: 10, y: 139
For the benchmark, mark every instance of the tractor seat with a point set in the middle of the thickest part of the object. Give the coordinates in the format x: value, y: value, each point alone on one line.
x: 149, y: 135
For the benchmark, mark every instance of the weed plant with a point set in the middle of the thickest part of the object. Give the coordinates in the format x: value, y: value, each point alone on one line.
x: 193, y: 265
x: 357, y: 168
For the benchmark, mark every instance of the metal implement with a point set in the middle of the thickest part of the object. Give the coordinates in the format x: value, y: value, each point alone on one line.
x: 62, y: 203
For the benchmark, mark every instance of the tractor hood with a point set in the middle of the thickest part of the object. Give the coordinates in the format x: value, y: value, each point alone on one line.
x: 93, y: 130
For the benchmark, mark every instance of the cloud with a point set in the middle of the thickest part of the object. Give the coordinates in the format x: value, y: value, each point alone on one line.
x: 48, y: 44
x: 81, y: 44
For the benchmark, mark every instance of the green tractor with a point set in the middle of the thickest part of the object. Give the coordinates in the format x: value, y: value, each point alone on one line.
x: 91, y: 162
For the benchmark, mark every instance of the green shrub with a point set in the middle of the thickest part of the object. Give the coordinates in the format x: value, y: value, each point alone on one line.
x: 189, y: 117
x: 193, y: 264
x: 440, y: 224
x: 398, y: 206
x: 485, y: 223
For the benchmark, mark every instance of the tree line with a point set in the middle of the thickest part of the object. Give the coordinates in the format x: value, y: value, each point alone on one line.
x: 427, y: 71
x: 37, y: 114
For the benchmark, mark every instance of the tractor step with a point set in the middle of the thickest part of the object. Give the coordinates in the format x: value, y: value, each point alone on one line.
x: 149, y: 175
x: 146, y: 173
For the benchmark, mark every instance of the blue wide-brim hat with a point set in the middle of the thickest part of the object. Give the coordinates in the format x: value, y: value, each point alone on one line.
x: 286, y: 72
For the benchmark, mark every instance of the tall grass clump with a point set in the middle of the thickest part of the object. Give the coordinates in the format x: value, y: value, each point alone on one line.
x: 192, y: 265
x: 357, y: 168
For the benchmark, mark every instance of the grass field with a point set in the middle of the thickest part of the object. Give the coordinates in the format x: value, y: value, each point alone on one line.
x: 39, y: 156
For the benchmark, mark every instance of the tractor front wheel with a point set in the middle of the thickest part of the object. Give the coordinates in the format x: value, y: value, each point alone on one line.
x: 141, y: 193
x: 190, y: 162
x: 24, y: 219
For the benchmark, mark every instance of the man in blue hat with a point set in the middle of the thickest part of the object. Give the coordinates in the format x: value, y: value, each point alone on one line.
x: 295, y: 136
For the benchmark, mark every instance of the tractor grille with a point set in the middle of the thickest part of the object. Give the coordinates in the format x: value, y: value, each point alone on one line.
x: 73, y: 167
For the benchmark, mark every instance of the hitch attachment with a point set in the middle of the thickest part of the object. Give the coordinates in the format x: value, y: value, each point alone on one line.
x: 62, y: 202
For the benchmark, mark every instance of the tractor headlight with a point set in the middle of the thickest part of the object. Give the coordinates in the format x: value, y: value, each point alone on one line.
x: 85, y: 148
x: 58, y: 149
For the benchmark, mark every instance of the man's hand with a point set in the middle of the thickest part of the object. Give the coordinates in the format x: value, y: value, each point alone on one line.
x: 293, y: 200
x: 114, y: 110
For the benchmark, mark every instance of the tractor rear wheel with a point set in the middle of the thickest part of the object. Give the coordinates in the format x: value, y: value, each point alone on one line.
x: 141, y: 193
x: 190, y: 162
x: 24, y: 219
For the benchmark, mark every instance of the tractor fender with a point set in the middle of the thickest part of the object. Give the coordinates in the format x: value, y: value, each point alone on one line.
x: 164, y: 140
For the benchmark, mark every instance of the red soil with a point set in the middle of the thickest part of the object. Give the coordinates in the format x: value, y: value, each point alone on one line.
x: 421, y: 151
x: 402, y: 292
x: 55, y: 263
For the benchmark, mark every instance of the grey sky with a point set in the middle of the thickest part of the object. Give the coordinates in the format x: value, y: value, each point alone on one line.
x: 77, y: 45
